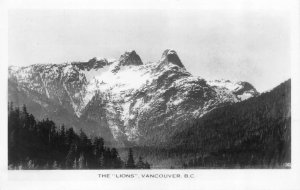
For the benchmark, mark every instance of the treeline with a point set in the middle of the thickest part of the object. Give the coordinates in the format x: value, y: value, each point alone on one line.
x: 36, y: 144
x: 255, y: 133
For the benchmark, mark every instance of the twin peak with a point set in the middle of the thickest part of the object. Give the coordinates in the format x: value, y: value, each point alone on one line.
x: 132, y: 58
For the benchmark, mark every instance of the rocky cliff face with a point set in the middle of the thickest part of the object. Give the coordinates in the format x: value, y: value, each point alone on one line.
x: 125, y: 101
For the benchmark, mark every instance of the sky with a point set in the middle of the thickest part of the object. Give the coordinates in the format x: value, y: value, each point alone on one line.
x: 238, y: 45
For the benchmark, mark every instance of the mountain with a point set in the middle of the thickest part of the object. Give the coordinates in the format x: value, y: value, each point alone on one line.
x: 255, y: 133
x: 126, y: 101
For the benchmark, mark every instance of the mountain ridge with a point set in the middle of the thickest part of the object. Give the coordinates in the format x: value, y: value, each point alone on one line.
x: 252, y: 133
x: 129, y: 101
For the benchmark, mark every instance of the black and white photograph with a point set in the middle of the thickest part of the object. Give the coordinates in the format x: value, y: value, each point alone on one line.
x: 150, y: 90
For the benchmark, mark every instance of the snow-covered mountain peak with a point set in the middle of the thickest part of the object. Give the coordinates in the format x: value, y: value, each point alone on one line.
x: 130, y: 58
x: 170, y: 56
x: 94, y: 63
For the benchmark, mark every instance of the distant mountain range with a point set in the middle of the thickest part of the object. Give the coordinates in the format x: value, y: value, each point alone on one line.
x: 125, y: 101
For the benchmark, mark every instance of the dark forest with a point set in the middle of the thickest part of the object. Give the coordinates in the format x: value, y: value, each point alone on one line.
x: 36, y: 144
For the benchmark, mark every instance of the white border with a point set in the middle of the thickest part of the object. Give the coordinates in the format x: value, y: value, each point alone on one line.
x: 204, y: 179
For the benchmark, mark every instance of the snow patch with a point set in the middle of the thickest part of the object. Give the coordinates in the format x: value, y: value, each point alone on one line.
x: 72, y: 102
x: 245, y: 96
x: 232, y: 86
x: 44, y: 85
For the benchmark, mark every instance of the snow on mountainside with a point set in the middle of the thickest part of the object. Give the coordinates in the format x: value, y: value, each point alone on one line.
x: 242, y: 90
x: 124, y: 100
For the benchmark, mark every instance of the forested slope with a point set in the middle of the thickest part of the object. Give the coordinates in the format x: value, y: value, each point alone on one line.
x: 253, y: 133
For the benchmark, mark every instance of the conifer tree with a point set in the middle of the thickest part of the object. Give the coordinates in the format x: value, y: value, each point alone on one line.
x: 101, y: 161
x: 130, y: 160
x: 55, y: 165
x: 116, y: 161
x: 140, y: 164
x: 71, y: 156
x: 75, y: 164
x: 147, y: 165
x: 81, y: 162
